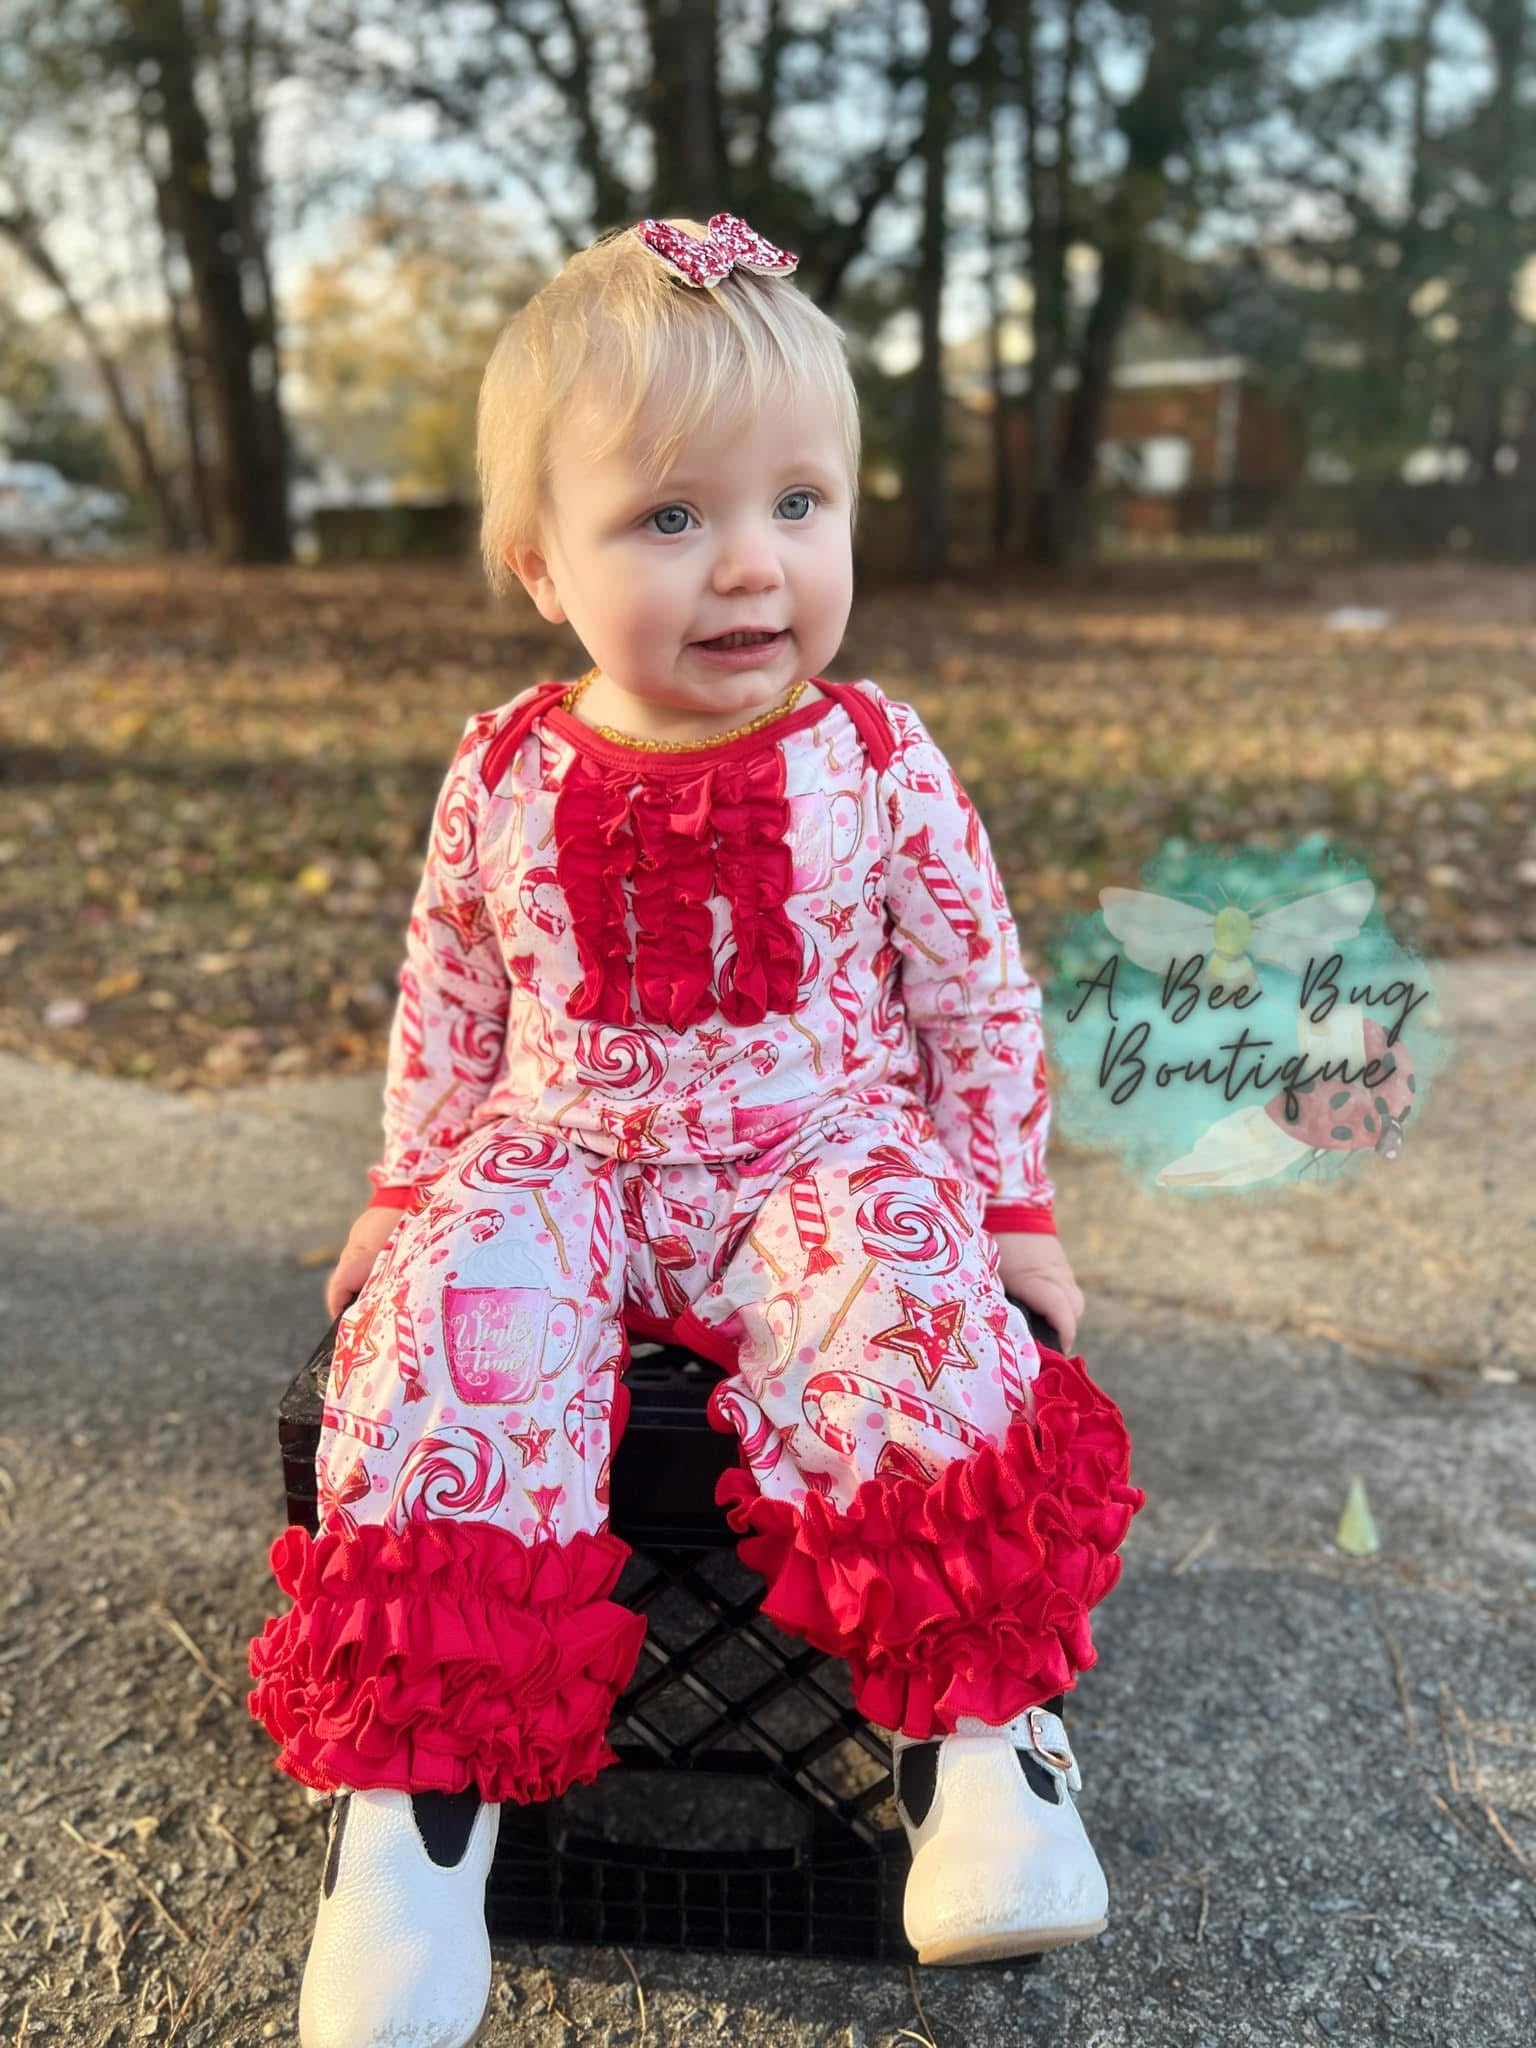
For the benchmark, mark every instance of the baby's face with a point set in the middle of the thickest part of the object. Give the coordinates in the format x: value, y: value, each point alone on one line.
x: 754, y: 530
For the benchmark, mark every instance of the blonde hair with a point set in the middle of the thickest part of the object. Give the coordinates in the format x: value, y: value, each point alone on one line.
x: 615, y: 315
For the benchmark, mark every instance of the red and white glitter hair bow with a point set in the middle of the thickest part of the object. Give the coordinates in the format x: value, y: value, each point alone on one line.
x: 729, y: 243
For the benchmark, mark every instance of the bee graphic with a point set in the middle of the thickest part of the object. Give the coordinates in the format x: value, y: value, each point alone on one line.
x: 1153, y: 930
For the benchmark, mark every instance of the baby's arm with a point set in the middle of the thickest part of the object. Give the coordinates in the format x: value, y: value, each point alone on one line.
x: 976, y: 1010
x: 449, y: 1026
x: 973, y: 1003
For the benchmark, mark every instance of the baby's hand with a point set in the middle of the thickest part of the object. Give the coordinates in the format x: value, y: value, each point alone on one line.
x: 365, y: 1240
x: 1033, y: 1266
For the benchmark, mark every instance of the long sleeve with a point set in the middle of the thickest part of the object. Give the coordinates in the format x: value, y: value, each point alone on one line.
x: 972, y: 1002
x: 449, y: 1027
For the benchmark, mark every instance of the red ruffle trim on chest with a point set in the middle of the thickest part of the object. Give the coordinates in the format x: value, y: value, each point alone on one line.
x: 663, y: 835
x: 665, y: 844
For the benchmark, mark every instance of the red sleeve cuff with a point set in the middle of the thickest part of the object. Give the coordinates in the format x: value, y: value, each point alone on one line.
x: 1037, y: 1216
x: 392, y: 1198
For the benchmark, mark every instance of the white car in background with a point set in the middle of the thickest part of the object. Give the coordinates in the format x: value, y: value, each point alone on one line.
x: 40, y: 507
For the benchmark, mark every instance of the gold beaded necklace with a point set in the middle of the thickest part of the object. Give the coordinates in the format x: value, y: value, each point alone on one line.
x: 736, y: 732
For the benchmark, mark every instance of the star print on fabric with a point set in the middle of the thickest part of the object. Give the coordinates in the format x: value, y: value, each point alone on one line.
x: 929, y: 1336
x: 837, y: 920
x: 506, y: 924
x: 467, y: 920
x: 355, y: 1347
x: 961, y: 1057
x: 713, y: 1042
x: 533, y: 1442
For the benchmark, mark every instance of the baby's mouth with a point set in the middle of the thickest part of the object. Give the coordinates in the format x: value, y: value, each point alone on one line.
x: 725, y: 640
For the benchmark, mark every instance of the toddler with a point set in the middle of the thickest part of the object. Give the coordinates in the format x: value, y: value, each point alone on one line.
x: 713, y: 1028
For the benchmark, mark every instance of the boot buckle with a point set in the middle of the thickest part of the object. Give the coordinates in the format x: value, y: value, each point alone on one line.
x: 1048, y: 1739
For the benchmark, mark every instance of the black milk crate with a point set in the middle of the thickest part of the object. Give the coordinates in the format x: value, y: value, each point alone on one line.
x: 726, y: 1716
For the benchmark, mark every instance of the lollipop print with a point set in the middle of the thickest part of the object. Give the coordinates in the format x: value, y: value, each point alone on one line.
x: 453, y: 843
x: 621, y: 1059
x: 909, y: 1230
x: 513, y: 1158
x: 455, y: 1471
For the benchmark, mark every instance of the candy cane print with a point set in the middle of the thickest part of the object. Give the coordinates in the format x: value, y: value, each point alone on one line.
x: 761, y: 1445
x: 407, y: 1351
x: 810, y: 1221
x: 984, y: 1152
x: 761, y: 1052
x: 946, y: 893
x: 1015, y: 1386
x: 600, y: 1242
x: 872, y: 889
x: 378, y: 1436
x: 850, y: 1010
x: 677, y: 1210
x: 582, y: 1411
x: 413, y: 1032
x: 824, y: 1387
x: 1004, y: 1036
x: 454, y: 1472
x: 672, y: 1254
x: 782, y: 1309
x: 550, y: 922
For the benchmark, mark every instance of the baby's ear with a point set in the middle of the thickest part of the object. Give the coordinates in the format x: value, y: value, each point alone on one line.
x: 532, y: 571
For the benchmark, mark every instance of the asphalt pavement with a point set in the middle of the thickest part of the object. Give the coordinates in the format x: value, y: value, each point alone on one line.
x: 1311, y: 1776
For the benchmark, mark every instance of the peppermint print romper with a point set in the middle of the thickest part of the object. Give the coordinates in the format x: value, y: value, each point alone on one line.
x: 735, y: 1048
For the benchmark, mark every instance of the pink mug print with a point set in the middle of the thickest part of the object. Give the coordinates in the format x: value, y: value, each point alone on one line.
x: 496, y: 1339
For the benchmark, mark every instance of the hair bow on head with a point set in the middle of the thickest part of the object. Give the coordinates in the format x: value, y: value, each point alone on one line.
x: 728, y: 243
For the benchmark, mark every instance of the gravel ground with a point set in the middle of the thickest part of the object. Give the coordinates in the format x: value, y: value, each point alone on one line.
x: 1311, y: 1778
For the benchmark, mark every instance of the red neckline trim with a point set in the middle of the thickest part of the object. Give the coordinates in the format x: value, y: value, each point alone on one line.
x: 581, y: 735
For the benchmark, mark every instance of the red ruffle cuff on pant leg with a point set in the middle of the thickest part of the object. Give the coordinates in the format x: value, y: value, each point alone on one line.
x: 969, y: 1595
x: 444, y: 1654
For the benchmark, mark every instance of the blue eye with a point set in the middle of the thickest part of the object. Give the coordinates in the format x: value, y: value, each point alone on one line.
x: 812, y: 499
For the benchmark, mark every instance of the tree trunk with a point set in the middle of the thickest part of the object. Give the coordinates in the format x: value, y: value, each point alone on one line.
x: 1151, y: 122
x: 925, y: 463
x: 1048, y: 188
x: 250, y: 499
x: 1505, y: 23
x: 994, y: 97
x: 693, y: 175
x: 143, y: 470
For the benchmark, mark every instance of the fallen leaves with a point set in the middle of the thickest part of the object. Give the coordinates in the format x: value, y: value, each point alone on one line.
x: 216, y: 785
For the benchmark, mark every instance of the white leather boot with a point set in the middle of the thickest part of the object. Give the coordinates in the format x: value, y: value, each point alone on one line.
x: 400, y: 1956
x: 1001, y: 1865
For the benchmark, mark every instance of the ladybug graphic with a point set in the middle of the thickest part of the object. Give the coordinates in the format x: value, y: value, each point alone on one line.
x: 1333, y: 1117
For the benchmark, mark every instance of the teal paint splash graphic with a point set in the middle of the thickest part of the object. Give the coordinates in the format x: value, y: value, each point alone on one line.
x: 1242, y: 1019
